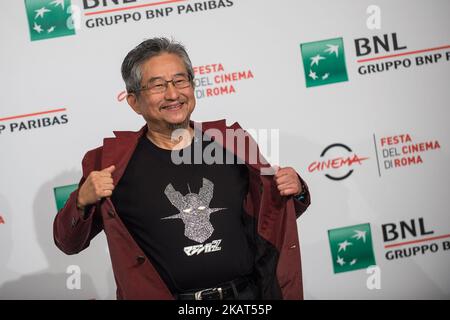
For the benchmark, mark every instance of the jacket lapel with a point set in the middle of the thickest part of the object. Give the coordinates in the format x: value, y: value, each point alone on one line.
x: 118, y: 151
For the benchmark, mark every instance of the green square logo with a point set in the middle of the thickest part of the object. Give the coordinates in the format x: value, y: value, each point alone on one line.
x: 324, y: 62
x: 62, y: 194
x: 351, y: 248
x: 49, y: 18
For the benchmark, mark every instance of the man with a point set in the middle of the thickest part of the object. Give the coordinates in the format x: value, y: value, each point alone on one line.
x: 191, y: 229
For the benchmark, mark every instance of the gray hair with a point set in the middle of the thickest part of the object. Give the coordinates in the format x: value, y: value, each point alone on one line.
x: 131, y: 65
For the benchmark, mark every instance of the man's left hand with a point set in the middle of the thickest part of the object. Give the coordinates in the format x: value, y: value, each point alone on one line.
x: 288, y: 182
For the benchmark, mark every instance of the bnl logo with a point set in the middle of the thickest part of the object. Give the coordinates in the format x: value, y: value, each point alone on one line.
x: 351, y: 248
x: 62, y: 194
x: 49, y: 18
x: 324, y: 62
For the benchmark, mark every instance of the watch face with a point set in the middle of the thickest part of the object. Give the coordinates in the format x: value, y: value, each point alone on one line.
x: 301, y: 196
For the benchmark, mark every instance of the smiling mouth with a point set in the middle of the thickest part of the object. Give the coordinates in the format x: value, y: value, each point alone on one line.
x: 172, y: 107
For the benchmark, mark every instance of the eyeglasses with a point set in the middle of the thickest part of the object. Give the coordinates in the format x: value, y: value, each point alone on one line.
x: 180, y: 81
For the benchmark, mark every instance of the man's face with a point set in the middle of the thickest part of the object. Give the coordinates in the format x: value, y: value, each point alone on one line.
x: 169, y: 109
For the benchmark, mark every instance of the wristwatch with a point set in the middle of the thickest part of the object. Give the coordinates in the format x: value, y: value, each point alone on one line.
x: 302, y: 195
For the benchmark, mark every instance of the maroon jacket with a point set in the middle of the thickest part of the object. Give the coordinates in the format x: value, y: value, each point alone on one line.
x: 270, y: 223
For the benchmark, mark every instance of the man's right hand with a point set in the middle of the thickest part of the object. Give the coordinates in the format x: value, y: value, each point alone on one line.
x: 99, y: 184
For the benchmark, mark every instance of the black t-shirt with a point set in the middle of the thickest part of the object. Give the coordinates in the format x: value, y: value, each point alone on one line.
x: 187, y: 218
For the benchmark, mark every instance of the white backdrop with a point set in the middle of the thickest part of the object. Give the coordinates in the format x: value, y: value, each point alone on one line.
x: 76, y: 78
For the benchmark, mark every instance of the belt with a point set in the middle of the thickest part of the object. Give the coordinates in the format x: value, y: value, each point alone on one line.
x: 223, y: 291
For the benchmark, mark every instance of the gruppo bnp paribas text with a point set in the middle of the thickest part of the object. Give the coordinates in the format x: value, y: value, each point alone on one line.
x: 102, y: 13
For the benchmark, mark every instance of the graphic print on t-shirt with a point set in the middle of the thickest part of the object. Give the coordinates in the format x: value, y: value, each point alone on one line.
x: 194, y: 210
